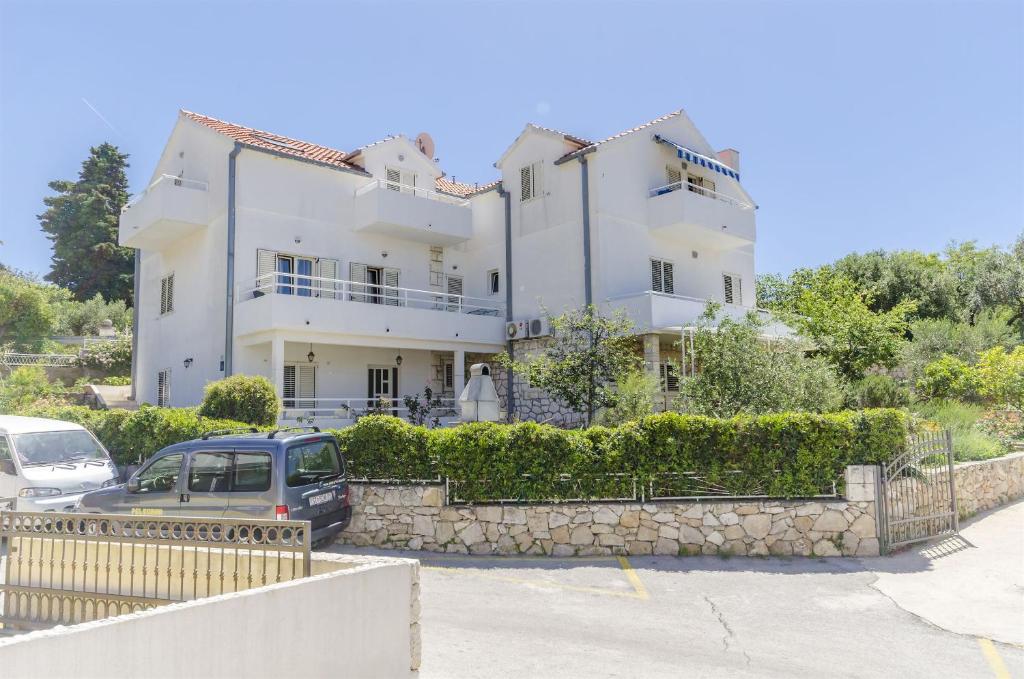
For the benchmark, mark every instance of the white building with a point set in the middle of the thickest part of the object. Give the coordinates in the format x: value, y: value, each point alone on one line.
x: 345, y: 277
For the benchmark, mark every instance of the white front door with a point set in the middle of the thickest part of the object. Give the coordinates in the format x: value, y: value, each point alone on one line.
x: 381, y: 384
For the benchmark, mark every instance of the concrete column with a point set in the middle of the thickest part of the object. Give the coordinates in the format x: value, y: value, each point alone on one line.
x: 277, y: 365
x: 652, y: 353
x: 459, y: 372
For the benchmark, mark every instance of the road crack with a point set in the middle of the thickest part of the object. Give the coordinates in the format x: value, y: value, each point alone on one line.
x: 730, y: 635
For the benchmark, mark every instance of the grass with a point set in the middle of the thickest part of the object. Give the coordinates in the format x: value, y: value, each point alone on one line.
x: 969, y: 442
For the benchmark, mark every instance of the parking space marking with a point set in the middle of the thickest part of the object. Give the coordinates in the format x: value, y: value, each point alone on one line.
x: 995, y: 661
x: 638, y: 591
x: 634, y: 579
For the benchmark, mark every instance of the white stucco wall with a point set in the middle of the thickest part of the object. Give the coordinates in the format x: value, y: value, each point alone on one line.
x: 360, y: 621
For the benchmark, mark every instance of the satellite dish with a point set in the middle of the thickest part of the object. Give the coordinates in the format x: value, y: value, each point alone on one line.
x: 425, y: 144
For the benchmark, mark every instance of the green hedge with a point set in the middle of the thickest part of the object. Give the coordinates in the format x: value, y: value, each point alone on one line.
x: 133, y: 435
x: 791, y: 454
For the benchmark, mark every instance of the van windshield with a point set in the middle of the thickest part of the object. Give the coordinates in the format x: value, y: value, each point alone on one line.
x: 313, y: 462
x: 57, y: 447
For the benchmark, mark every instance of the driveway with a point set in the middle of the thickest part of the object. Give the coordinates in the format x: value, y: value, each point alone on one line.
x: 953, y: 608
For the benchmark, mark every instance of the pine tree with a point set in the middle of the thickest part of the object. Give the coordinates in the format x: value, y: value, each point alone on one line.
x: 82, y: 223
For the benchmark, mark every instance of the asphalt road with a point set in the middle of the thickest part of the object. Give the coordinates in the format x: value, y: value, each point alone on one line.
x: 949, y: 609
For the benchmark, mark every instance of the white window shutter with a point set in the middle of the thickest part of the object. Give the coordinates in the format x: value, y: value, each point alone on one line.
x: 709, y: 185
x: 737, y: 290
x: 537, y: 185
x: 454, y: 293
x: 327, y: 268
x: 266, y: 264
x: 163, y: 388
x: 656, y: 278
x: 170, y: 293
x: 408, y: 181
x: 728, y: 288
x: 306, y: 387
x: 163, y: 296
x: 394, y: 178
x: 357, y: 274
x: 391, y: 283
x: 289, y: 386
x: 674, y: 175
x: 526, y: 183
x: 449, y: 376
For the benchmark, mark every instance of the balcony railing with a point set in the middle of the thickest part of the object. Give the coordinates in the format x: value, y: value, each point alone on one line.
x: 193, y: 184
x: 700, y: 191
x: 371, y: 293
x: 417, y: 191
x: 351, y: 408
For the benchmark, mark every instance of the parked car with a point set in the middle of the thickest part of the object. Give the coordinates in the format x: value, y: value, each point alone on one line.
x: 46, y: 465
x: 296, y: 473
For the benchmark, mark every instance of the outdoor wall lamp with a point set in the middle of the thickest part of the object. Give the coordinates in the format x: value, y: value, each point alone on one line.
x: 398, y: 360
x: 188, y: 363
x: 310, y: 356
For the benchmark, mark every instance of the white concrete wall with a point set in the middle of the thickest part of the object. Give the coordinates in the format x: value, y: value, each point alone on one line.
x: 360, y: 621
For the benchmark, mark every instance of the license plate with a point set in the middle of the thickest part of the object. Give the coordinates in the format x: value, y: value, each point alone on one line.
x: 323, y: 498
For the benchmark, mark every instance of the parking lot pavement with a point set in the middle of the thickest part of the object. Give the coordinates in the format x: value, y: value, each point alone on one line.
x: 715, y: 617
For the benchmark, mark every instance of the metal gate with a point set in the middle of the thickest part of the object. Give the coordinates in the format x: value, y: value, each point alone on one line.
x: 918, y: 492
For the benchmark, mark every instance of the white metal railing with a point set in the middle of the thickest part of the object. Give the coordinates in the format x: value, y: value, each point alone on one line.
x: 414, y: 190
x: 353, y: 407
x: 299, y: 285
x: 686, y: 298
x: 13, y: 359
x: 193, y: 184
x: 700, y: 191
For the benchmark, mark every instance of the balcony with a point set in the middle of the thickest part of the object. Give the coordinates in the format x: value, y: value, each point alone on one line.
x: 381, y: 315
x: 701, y: 216
x: 169, y: 209
x: 659, y: 311
x: 413, y: 213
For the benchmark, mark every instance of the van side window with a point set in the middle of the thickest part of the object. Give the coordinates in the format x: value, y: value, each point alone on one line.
x: 252, y: 472
x: 162, y: 475
x: 209, y: 472
x: 5, y: 449
x: 311, y: 462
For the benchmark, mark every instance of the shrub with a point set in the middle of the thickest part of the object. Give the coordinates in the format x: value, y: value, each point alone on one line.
x: 949, y: 377
x: 25, y: 386
x: 880, y: 391
x: 113, y: 357
x: 245, y: 398
x: 385, y: 447
x: 970, y: 441
x: 635, y: 393
x: 1001, y: 376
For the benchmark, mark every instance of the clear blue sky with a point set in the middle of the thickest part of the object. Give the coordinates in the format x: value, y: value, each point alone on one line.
x: 861, y: 125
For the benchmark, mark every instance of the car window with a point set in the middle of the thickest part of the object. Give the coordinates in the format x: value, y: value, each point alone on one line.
x: 162, y: 475
x: 209, y: 472
x: 312, y: 462
x: 5, y: 449
x: 252, y: 472
x: 57, y: 447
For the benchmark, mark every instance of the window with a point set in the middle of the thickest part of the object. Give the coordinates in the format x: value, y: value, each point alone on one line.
x: 493, y: 282
x: 374, y: 284
x: 163, y: 388
x: 209, y: 472
x: 313, y: 462
x: 448, y: 375
x: 400, y: 180
x: 57, y: 447
x: 288, y: 274
x: 162, y: 475
x: 299, y: 385
x: 5, y: 449
x: 674, y: 177
x: 251, y: 473
x: 454, y: 293
x: 662, y: 279
x: 669, y: 377
x: 733, y: 287
x: 701, y: 185
x: 167, y: 294
x: 529, y: 178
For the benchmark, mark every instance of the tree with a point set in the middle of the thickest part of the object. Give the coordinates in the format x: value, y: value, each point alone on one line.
x: 891, y: 277
x: 635, y: 394
x: 837, y: 317
x: 743, y: 372
x: 1001, y: 376
x: 987, y: 278
x: 588, y: 353
x: 82, y: 221
x: 26, y: 316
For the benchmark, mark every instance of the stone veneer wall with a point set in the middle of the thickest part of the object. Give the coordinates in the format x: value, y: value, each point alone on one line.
x: 989, y: 483
x: 417, y: 518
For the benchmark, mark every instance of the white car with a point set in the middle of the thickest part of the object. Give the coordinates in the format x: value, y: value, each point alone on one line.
x: 46, y: 465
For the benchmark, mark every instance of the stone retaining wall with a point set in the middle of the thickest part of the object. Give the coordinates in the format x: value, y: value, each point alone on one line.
x: 989, y: 483
x: 417, y: 518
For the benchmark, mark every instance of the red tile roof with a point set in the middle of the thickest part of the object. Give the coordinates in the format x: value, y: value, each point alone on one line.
x: 463, y: 190
x: 275, y: 142
x: 590, y: 145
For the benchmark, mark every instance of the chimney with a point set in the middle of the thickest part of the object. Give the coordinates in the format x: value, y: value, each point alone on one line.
x: 730, y: 157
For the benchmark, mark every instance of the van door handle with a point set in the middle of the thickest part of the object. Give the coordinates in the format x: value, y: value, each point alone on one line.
x: 184, y: 497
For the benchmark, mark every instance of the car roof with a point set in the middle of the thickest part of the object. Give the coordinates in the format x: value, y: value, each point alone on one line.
x: 261, y: 439
x: 15, y: 424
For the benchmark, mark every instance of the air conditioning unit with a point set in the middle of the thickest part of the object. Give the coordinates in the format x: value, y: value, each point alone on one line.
x: 516, y: 330
x: 539, y: 327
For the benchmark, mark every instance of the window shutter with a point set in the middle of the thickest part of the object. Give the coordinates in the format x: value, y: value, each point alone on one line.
x: 454, y: 293
x: 408, y: 181
x: 170, y: 293
x: 526, y: 183
x: 163, y: 388
x: 536, y: 179
x: 163, y: 296
x: 709, y: 186
x: 357, y: 274
x: 449, y: 376
x: 674, y: 175
x: 306, y: 387
x: 669, y: 378
x: 667, y: 283
x: 394, y: 178
x: 728, y: 287
x: 327, y: 268
x: 394, y: 383
x: 266, y: 263
x: 656, y: 280
x: 289, y: 386
x: 737, y: 291
x: 391, y: 283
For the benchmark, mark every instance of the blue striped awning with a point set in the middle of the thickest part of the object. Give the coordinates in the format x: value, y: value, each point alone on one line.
x: 691, y: 156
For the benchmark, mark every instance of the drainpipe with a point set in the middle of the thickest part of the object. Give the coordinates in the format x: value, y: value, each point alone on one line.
x: 510, y: 397
x: 136, y: 288
x: 229, y: 319
x: 588, y: 292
